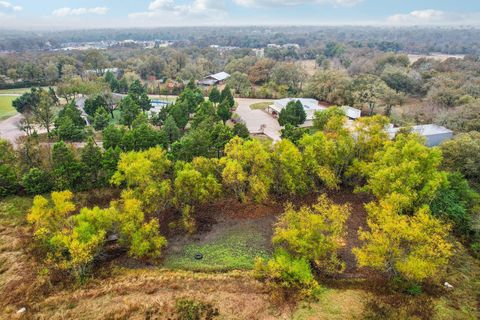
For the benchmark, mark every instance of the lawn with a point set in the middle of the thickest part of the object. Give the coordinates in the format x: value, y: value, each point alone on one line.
x: 6, y: 109
x: 227, y: 247
x: 260, y: 105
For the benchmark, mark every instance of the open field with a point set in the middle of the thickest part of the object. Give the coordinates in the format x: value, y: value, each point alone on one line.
x: 435, y: 56
x: 6, y: 109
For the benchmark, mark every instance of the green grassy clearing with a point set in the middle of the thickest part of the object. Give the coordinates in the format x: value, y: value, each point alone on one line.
x: 14, y: 209
x: 233, y: 247
x: 6, y: 109
x: 260, y: 106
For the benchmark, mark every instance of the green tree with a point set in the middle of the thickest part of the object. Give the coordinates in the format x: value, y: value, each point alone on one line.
x: 227, y: 96
x: 214, y: 96
x: 91, y: 157
x: 329, y: 85
x: 67, y: 170
x: 368, y: 90
x: 93, y: 104
x: 241, y: 130
x: 462, y: 154
x: 223, y: 111
x: 112, y: 136
x: 240, y: 83
x: 101, y: 119
x: 44, y: 112
x: 171, y: 130
x: 293, y: 114
x: 129, y: 110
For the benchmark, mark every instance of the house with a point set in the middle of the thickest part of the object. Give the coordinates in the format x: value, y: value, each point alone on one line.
x: 433, y: 133
x: 352, y: 113
x: 214, y: 79
x: 309, y: 105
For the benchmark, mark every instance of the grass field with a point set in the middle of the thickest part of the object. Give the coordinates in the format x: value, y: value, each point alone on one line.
x: 260, y: 106
x: 226, y: 247
x: 6, y: 109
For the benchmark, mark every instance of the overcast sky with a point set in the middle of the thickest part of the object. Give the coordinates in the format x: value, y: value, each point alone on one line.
x: 31, y: 14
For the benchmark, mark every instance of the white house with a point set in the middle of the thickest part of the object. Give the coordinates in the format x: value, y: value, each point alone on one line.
x: 309, y: 105
x: 214, y: 79
x: 433, y: 133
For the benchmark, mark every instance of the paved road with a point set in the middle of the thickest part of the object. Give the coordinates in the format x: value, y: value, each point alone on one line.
x: 254, y: 119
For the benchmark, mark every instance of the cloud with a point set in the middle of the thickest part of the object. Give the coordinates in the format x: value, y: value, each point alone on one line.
x: 170, y: 11
x: 271, y: 3
x: 435, y: 17
x: 7, y: 5
x: 63, y: 12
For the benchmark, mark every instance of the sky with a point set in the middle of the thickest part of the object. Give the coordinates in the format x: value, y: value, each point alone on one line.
x: 35, y: 14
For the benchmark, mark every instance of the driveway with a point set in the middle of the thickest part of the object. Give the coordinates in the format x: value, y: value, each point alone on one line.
x: 255, y: 119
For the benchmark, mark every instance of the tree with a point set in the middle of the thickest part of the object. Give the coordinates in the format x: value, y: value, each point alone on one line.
x: 240, y: 83
x: 293, y: 133
x: 290, y: 75
x: 129, y: 110
x: 315, y: 233
x: 145, y: 173
x: 465, y: 118
x: 247, y: 169
x: 101, y: 119
x: 223, y: 111
x: 462, y: 154
x: 321, y: 118
x: 193, y: 188
x: 333, y: 49
x: 368, y: 90
x: 112, y: 136
x: 67, y: 171
x: 93, y: 104
x: 413, y: 247
x: 328, y: 155
x: 241, y: 130
x: 398, y: 79
x: 290, y: 176
x: 227, y: 96
x: 44, y: 112
x: 329, y: 85
x: 142, y: 238
x: 293, y: 114
x: 456, y: 203
x: 171, y: 130
x: 8, y: 169
x: 214, y: 96
x: 69, y: 124
x: 109, y: 162
x: 405, y: 167
x: 370, y: 136
x: 96, y: 60
x: 91, y: 157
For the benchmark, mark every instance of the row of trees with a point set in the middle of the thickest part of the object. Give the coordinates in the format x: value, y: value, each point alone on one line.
x: 409, y: 222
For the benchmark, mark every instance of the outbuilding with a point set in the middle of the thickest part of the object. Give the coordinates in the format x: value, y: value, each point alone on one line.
x: 214, y: 79
x: 434, y: 134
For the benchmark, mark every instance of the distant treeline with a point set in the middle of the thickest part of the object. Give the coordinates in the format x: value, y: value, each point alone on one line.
x: 407, y: 39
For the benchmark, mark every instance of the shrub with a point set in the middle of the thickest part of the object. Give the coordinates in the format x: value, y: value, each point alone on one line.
x: 37, y: 181
x: 290, y: 274
x: 8, y: 181
x: 187, y: 309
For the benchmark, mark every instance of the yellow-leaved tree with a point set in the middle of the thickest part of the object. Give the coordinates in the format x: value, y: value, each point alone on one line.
x: 247, y: 169
x: 146, y: 173
x: 413, y: 247
x: 315, y: 233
